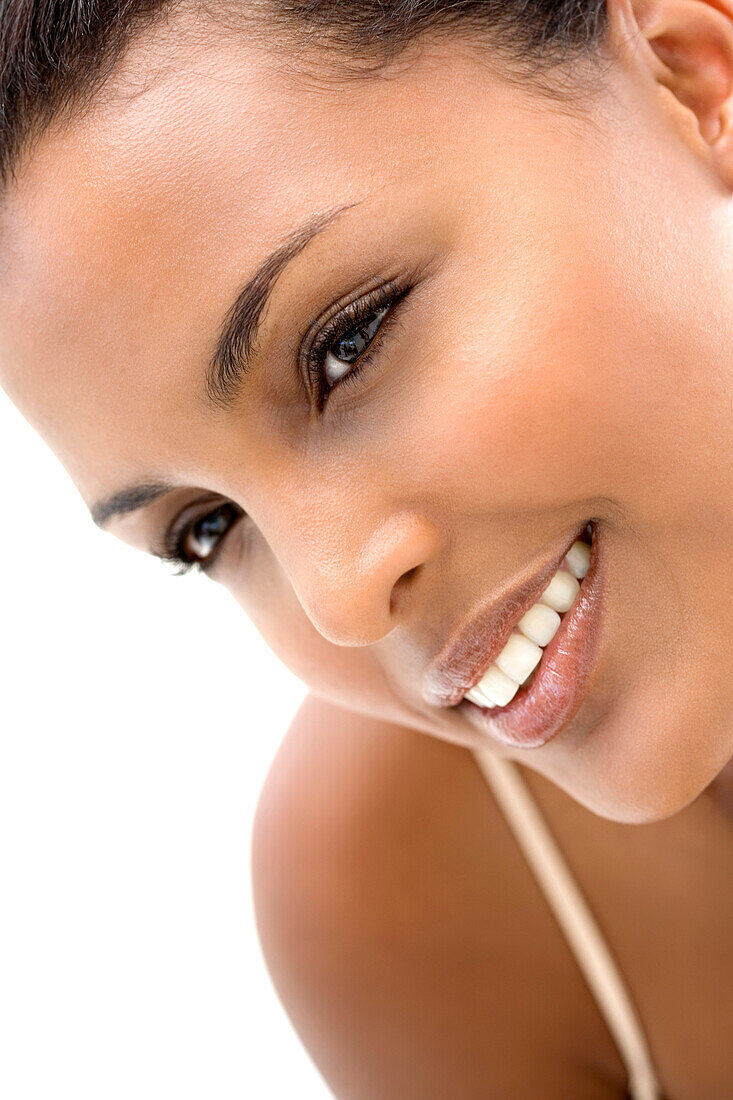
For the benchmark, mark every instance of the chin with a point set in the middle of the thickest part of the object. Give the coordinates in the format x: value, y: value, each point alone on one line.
x: 646, y: 759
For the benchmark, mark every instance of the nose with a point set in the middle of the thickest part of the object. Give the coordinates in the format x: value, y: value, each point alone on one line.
x: 353, y: 584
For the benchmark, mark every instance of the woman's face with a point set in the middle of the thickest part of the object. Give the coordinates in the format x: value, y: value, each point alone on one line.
x: 556, y: 349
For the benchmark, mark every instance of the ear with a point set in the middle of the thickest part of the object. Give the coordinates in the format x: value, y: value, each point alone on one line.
x: 688, y: 45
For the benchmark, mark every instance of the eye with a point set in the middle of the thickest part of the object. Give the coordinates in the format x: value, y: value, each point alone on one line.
x: 345, y: 343
x: 193, y: 542
x: 346, y: 349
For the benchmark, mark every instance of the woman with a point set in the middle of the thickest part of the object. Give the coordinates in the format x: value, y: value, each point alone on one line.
x: 410, y: 323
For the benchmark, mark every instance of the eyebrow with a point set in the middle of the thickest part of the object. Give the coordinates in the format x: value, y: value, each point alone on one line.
x: 232, y: 356
x: 129, y: 500
x: 238, y: 336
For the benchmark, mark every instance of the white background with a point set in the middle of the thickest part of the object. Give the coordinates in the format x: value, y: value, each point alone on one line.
x: 140, y: 714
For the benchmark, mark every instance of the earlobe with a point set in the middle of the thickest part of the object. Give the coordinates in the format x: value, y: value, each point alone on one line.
x: 690, y: 52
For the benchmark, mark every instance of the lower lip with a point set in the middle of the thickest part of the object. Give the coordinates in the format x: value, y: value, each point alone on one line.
x: 538, y: 712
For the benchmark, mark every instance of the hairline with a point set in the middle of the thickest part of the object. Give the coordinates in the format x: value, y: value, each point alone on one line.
x: 557, y: 77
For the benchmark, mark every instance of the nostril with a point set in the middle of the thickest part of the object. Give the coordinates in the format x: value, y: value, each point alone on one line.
x: 356, y: 588
x: 400, y: 584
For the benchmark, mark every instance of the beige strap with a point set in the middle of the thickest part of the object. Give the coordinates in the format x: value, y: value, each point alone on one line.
x: 575, y: 919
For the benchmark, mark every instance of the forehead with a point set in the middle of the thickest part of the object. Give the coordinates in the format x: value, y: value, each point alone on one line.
x: 130, y: 228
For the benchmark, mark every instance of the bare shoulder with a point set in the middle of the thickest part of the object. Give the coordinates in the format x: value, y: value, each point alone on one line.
x: 403, y: 930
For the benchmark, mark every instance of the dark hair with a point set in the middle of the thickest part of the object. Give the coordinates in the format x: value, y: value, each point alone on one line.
x: 54, y: 54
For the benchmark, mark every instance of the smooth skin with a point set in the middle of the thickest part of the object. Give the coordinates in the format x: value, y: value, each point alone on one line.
x: 564, y: 353
x: 417, y: 957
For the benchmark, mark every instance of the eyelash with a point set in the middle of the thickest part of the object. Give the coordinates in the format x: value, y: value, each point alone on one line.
x: 313, y: 360
x: 315, y: 351
x: 173, y: 551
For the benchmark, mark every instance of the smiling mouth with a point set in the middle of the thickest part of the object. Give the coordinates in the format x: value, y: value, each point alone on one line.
x: 536, y: 684
x: 519, y: 667
x: 518, y: 660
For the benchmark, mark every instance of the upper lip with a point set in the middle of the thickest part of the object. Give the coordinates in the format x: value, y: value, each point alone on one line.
x: 475, y: 644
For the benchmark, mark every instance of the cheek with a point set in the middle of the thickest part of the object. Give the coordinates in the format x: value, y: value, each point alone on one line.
x: 554, y: 387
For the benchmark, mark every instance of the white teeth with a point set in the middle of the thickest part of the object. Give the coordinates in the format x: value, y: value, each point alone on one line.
x: 522, y: 653
x: 498, y: 688
x: 539, y: 624
x: 518, y: 658
x: 577, y: 559
x: 561, y: 591
x: 477, y: 696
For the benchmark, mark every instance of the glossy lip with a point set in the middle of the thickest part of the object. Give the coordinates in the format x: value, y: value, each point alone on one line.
x: 475, y: 645
x: 542, y: 709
